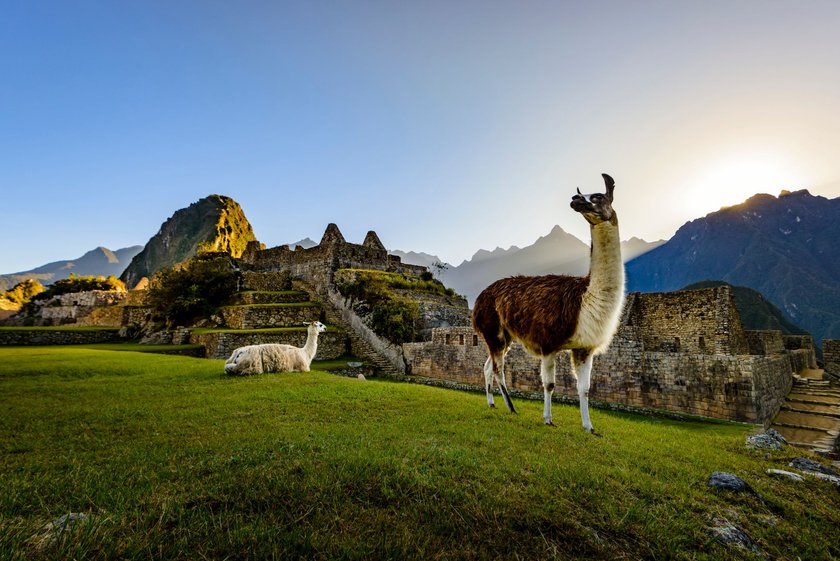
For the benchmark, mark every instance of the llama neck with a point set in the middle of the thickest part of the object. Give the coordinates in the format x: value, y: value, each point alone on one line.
x: 311, y: 345
x: 606, y: 270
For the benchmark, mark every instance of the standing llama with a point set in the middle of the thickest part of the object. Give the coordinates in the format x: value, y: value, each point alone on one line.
x: 554, y: 313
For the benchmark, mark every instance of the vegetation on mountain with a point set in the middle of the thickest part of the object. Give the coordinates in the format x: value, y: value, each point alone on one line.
x: 214, y: 223
x: 170, y: 460
x: 784, y: 247
x: 20, y: 294
x: 82, y: 283
x: 192, y: 290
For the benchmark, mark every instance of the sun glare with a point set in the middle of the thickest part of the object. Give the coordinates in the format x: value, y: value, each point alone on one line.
x: 733, y: 179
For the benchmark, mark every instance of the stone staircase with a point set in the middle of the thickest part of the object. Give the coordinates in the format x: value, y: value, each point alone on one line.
x: 359, y: 347
x: 810, y: 416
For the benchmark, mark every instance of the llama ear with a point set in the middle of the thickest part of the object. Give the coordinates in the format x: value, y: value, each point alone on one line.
x: 610, y: 183
x: 578, y: 190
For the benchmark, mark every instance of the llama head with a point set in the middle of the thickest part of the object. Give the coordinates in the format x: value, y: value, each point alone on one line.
x: 315, y: 327
x: 596, y: 207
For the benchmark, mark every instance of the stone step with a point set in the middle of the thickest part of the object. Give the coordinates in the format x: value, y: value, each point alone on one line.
x: 265, y: 297
x: 259, y: 316
x: 806, y: 420
x: 820, y: 409
x: 805, y: 437
x: 826, y: 387
x: 812, y: 398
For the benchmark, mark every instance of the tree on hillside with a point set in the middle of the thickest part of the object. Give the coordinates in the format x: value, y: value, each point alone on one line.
x: 192, y: 290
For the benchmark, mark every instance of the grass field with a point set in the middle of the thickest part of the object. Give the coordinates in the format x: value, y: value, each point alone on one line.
x: 171, y: 460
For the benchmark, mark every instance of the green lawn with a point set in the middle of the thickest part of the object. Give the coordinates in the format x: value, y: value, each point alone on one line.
x: 172, y: 460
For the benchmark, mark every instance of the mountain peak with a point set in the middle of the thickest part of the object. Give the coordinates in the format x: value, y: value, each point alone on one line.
x: 214, y: 223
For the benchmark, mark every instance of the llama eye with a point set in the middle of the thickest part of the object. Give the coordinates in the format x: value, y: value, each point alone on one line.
x: 596, y: 197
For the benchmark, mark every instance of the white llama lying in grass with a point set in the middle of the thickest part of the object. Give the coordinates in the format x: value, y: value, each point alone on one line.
x: 275, y: 357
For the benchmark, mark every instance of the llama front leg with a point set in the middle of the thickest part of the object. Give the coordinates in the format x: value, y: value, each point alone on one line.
x: 547, y: 373
x: 582, y: 365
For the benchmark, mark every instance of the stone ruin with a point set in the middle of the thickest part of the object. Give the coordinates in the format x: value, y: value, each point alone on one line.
x: 684, y: 352
x: 317, y: 265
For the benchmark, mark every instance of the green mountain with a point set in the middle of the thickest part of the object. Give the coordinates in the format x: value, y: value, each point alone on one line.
x: 214, y: 223
x: 756, y: 311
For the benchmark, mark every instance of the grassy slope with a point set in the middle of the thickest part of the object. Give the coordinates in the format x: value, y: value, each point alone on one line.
x: 175, y: 461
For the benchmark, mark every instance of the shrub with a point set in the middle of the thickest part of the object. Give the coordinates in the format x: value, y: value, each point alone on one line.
x: 81, y: 284
x: 192, y: 290
x: 396, y: 319
x: 389, y: 314
x: 24, y: 291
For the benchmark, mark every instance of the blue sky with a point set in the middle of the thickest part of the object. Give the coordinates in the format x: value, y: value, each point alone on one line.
x: 444, y: 126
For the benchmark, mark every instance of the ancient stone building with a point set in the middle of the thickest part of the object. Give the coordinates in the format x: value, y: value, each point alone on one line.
x: 317, y: 265
x: 683, y: 351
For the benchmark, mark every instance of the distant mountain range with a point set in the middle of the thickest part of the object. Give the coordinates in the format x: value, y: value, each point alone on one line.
x: 784, y: 247
x: 558, y: 252
x: 100, y: 261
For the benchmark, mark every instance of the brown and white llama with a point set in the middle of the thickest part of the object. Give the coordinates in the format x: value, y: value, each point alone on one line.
x: 554, y: 313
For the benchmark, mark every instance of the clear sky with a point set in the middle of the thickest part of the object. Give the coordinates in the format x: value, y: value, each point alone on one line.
x: 446, y: 126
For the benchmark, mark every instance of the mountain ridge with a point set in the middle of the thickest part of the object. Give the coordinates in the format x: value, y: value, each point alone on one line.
x: 99, y: 261
x: 557, y: 252
x: 784, y: 247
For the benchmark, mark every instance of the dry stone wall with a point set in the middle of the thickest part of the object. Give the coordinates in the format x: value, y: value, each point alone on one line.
x: 831, y: 356
x: 692, y: 321
x: 27, y: 337
x: 266, y: 281
x: 256, y: 316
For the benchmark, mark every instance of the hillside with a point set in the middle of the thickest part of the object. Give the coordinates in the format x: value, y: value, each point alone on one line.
x: 784, y: 247
x: 96, y: 262
x: 170, y: 460
x: 216, y: 223
x: 558, y: 252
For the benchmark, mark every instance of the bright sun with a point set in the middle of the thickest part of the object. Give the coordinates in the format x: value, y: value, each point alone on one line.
x: 734, y: 178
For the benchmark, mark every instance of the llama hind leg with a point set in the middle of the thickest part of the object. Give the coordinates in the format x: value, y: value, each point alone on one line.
x: 547, y: 374
x: 582, y: 364
x: 500, y: 378
x: 488, y: 381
